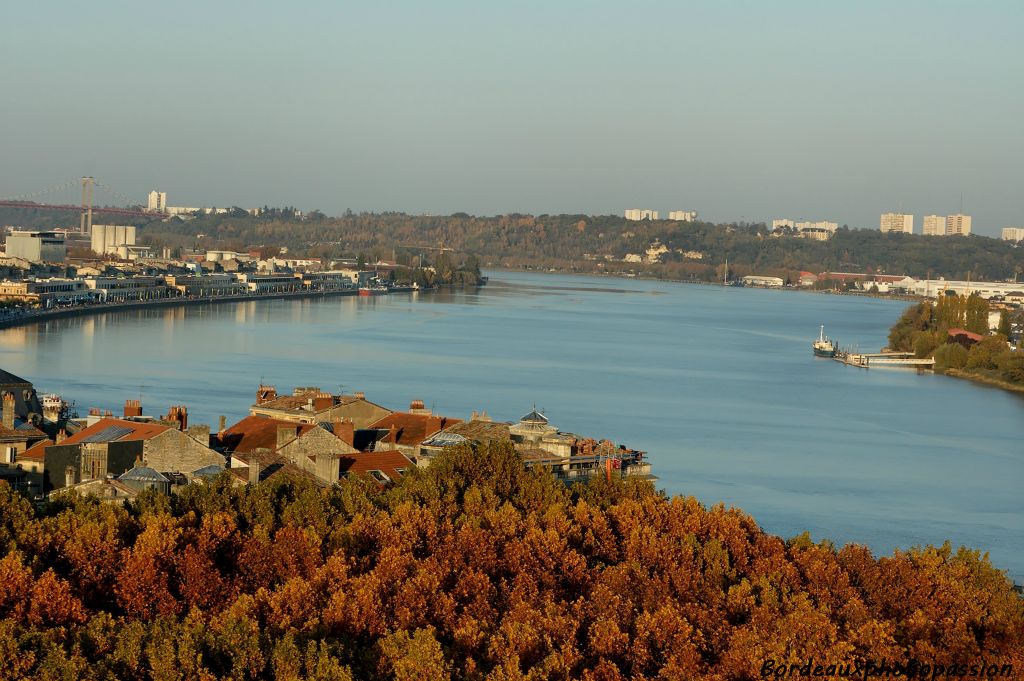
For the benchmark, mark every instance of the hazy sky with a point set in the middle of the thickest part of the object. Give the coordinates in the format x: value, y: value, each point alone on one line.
x: 738, y: 110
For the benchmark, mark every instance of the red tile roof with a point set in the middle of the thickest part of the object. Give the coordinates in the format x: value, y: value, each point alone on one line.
x: 386, y: 462
x: 966, y: 334
x: 136, y: 431
x: 37, y: 451
x: 412, y: 429
x: 257, y: 432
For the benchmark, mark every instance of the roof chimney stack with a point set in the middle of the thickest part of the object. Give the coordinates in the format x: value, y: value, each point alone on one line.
x: 8, y: 411
x: 132, y: 408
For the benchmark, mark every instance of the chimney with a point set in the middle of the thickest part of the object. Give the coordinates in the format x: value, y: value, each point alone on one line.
x: 70, y: 473
x: 323, y: 401
x: 359, y: 395
x: 61, y: 436
x: 345, y: 430
x: 286, y: 434
x: 132, y: 408
x: 254, y: 470
x: 8, y: 411
x: 223, y: 424
x: 265, y: 393
x: 95, y: 411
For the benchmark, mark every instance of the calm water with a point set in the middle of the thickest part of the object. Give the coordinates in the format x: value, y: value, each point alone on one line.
x: 719, y: 385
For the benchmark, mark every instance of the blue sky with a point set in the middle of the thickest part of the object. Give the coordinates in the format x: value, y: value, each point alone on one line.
x: 739, y: 110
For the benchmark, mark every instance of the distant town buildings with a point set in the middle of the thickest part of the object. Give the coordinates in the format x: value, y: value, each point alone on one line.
x: 37, y: 246
x: 934, y: 225
x: 1013, y: 233
x: 157, y: 202
x: 641, y: 214
x: 821, y: 230
x: 958, y: 225
x: 783, y: 224
x: 897, y: 222
x: 683, y: 215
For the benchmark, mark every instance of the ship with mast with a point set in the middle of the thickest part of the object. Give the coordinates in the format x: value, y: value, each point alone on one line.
x: 824, y: 346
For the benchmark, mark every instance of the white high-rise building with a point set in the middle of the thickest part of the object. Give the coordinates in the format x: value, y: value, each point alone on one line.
x: 1013, y: 233
x: 934, y: 225
x: 897, y: 222
x: 641, y: 214
x: 683, y: 215
x: 107, y: 239
x: 958, y: 225
x: 157, y: 202
x: 783, y: 223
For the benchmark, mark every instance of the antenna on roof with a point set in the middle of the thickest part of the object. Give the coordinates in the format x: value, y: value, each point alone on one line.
x: 141, y: 386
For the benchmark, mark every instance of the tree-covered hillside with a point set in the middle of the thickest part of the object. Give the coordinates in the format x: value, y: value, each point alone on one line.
x: 474, y: 568
x: 599, y: 243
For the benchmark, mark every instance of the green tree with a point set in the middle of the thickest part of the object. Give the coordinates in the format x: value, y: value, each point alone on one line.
x: 950, y: 356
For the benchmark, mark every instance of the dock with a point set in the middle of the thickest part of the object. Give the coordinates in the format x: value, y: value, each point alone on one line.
x: 883, y: 359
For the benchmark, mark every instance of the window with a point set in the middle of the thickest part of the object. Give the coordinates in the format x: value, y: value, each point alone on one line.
x: 379, y: 476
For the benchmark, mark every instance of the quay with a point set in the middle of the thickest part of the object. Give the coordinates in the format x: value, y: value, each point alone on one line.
x: 883, y: 359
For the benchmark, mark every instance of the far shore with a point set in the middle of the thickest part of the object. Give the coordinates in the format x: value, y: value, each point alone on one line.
x: 85, y: 310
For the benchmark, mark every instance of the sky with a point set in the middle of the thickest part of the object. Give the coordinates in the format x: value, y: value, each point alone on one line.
x: 738, y: 110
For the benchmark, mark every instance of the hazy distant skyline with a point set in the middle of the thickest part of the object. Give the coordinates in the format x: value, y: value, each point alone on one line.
x: 739, y: 111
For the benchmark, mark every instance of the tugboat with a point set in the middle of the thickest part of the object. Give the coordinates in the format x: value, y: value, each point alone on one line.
x: 823, y: 346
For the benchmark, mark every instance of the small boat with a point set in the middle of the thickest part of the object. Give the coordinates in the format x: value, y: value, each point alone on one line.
x: 823, y: 346
x: 373, y: 290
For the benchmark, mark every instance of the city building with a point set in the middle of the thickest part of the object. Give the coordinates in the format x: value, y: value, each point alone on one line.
x: 46, y: 293
x: 897, y: 222
x: 683, y: 215
x: 819, y: 225
x: 958, y: 225
x: 757, y: 280
x: 934, y: 225
x: 641, y: 214
x: 1013, y: 233
x: 312, y: 405
x: 121, y: 289
x: 108, y: 239
x: 157, y: 202
x: 783, y: 223
x: 37, y: 246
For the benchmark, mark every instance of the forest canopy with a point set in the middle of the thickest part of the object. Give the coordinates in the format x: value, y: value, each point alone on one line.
x: 473, y: 568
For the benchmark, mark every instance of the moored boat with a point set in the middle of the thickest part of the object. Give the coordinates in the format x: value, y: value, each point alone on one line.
x: 823, y: 346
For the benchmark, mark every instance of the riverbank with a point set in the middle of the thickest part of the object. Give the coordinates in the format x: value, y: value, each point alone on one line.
x: 641, y: 277
x: 985, y: 380
x: 82, y: 311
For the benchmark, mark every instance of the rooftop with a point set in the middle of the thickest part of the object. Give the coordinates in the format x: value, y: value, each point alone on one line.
x: 257, y: 432
x: 116, y: 430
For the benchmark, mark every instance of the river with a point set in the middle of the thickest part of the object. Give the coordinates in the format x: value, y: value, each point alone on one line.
x: 718, y: 384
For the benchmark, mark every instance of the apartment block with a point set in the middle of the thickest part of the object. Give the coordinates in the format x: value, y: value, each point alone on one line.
x: 641, y: 214
x: 1013, y: 233
x: 934, y: 225
x: 683, y: 215
x: 897, y: 222
x: 958, y: 225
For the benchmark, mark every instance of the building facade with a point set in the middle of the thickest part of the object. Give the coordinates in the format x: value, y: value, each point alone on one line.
x: 683, y: 215
x: 157, y: 202
x: 1013, y: 233
x: 934, y: 225
x: 897, y: 222
x: 641, y: 214
x: 783, y: 223
x: 958, y: 225
x: 37, y: 246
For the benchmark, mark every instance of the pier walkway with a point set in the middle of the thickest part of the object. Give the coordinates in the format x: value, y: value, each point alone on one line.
x: 884, y: 359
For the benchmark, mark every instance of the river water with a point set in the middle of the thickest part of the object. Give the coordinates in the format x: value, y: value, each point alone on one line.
x: 718, y: 384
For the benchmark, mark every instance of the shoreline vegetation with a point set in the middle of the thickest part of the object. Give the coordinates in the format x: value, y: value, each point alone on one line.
x: 472, y: 568
x: 954, y: 330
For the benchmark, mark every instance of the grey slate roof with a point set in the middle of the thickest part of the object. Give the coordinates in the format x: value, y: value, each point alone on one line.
x: 535, y: 417
x: 143, y: 474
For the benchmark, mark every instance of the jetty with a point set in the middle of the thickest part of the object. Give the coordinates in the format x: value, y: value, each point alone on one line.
x: 883, y: 359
